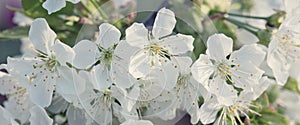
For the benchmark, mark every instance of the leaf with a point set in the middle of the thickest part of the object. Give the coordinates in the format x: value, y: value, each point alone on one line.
x: 273, y: 117
x: 33, y: 8
x: 15, y: 33
x: 292, y: 85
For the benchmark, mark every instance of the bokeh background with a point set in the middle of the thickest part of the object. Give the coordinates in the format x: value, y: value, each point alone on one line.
x: 8, y: 47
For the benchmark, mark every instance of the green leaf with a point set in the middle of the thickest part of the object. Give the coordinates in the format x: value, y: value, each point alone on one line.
x: 33, y: 8
x: 272, y: 117
x: 15, y: 33
x: 292, y: 85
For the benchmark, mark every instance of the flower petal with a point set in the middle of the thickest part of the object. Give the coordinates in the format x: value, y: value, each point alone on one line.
x: 219, y: 46
x: 86, y: 54
x: 164, y: 23
x: 39, y: 116
x: 63, y: 53
x: 202, y: 69
x: 226, y: 94
x: 40, y: 92
x: 137, y: 122
x: 245, y: 74
x: 108, y: 35
x: 194, y: 112
x: 178, y: 44
x: 253, y: 52
x: 208, y: 111
x: 66, y: 83
x: 54, y: 5
x: 101, y: 77
x: 6, y: 118
x: 171, y: 72
x: 137, y: 35
x: 41, y: 35
x: 279, y: 67
x: 140, y: 64
x: 184, y: 64
x: 120, y: 65
x: 75, y: 116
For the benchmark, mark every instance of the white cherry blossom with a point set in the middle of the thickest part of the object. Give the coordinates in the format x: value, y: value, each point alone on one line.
x: 157, y: 47
x: 188, y: 89
x: 99, y: 105
x: 39, y: 72
x: 18, y: 103
x: 284, y: 48
x: 105, y: 52
x: 241, y: 105
x: 220, y: 65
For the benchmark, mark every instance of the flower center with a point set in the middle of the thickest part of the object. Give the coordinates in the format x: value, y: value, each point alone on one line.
x: 222, y: 69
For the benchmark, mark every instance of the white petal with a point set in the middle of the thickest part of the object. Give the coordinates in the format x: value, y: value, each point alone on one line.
x: 171, y: 73
x: 39, y: 81
x: 18, y: 105
x: 18, y: 68
x: 54, y: 5
x: 39, y: 116
x: 101, y: 77
x: 209, y: 110
x: 75, y: 116
x: 155, y: 82
x: 5, y: 117
x: 258, y: 89
x: 252, y: 52
x: 202, y: 69
x: 124, y: 51
x: 178, y: 44
x: 245, y: 74
x: 140, y: 64
x: 137, y: 122
x: 120, y: 75
x: 63, y: 53
x: 133, y: 96
x: 69, y: 79
x: 184, y: 64
x: 120, y: 65
x: 194, y: 112
x: 7, y: 84
x: 41, y: 36
x: 86, y: 54
x: 294, y: 71
x: 225, y: 93
x: 279, y: 67
x: 108, y: 35
x: 164, y: 23
x: 219, y: 46
x: 41, y: 91
x: 137, y: 35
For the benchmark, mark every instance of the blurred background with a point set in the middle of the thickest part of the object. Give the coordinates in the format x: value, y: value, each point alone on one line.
x: 8, y: 47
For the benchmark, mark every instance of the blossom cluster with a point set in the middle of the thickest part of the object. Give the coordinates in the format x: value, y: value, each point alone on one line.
x: 148, y: 73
